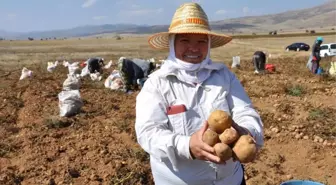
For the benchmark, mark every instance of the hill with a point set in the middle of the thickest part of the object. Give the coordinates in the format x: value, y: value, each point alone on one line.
x: 319, y: 17
x: 315, y: 17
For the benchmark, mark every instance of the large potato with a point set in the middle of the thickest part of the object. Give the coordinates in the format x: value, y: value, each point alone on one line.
x: 245, y: 149
x: 219, y: 121
x: 210, y: 137
x: 223, y: 151
x: 229, y: 136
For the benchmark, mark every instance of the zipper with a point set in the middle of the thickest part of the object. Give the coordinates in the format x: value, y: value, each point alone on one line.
x: 172, y: 74
x: 216, y: 173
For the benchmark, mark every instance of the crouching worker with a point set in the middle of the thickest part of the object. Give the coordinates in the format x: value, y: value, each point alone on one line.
x: 95, y: 64
x: 134, y: 72
x: 259, y: 60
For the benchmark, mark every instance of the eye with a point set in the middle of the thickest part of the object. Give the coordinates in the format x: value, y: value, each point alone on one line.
x: 203, y: 41
x: 184, y: 40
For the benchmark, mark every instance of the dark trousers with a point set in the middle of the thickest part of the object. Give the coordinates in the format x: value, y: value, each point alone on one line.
x: 316, y: 65
x: 259, y: 63
x: 243, y: 182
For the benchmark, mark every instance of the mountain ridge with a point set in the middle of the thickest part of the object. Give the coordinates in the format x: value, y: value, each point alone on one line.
x: 314, y: 17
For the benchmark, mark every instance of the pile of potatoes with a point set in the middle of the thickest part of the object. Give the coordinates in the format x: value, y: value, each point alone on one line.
x: 226, y: 140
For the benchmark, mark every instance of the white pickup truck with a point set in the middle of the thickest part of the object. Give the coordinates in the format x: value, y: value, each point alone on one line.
x: 328, y: 50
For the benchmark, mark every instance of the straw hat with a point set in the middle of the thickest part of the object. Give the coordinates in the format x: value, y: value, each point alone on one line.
x: 188, y: 18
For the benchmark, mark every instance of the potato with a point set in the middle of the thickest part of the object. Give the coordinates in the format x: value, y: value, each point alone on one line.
x: 229, y: 136
x: 219, y: 121
x: 223, y: 151
x: 244, y: 149
x: 210, y: 137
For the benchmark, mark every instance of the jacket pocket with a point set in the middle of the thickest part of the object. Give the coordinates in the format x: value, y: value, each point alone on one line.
x: 177, y: 122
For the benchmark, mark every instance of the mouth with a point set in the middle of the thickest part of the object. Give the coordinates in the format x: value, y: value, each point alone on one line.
x: 192, y: 57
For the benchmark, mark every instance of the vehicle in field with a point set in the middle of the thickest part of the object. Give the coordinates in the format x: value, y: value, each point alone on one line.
x: 328, y: 50
x: 298, y: 46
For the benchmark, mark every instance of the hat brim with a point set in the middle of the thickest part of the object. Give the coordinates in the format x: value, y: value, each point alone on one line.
x: 161, y: 40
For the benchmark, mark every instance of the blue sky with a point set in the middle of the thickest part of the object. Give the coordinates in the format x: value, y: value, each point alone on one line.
x: 39, y: 15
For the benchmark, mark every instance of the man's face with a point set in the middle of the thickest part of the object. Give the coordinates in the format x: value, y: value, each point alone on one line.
x: 192, y: 48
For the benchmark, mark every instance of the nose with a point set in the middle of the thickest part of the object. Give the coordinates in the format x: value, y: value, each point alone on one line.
x: 193, y: 48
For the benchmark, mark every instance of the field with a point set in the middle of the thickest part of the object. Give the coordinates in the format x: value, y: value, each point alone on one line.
x: 98, y: 146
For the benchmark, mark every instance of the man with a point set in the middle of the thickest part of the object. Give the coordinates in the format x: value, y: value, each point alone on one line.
x: 173, y: 106
x: 134, y: 72
x: 95, y: 64
x: 313, y: 63
x: 259, y: 61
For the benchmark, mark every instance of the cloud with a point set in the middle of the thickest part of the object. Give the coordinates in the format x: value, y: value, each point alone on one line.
x: 246, y: 10
x: 11, y: 15
x: 185, y: 1
x: 125, y: 2
x: 221, y: 12
x: 88, y: 3
x: 135, y: 6
x: 141, y: 12
x: 98, y: 18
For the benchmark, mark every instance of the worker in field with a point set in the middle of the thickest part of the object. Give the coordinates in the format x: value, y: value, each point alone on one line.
x: 313, y: 63
x: 134, y: 72
x: 95, y: 64
x: 259, y: 61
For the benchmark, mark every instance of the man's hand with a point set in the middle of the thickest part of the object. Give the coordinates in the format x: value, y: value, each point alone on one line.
x: 201, y: 150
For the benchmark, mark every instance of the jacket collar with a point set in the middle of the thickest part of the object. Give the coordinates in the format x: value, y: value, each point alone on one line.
x: 168, y: 71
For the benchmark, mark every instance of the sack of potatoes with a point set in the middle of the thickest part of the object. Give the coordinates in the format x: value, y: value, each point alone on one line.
x: 226, y: 140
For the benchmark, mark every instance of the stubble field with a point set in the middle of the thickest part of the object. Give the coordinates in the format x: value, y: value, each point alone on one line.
x: 98, y: 146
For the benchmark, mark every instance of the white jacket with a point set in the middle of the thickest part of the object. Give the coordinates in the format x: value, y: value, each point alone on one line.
x: 166, y: 137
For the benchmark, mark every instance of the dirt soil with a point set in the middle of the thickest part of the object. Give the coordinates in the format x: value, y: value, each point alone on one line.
x: 98, y: 146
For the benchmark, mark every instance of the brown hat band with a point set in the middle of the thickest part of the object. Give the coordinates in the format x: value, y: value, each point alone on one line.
x: 189, y: 21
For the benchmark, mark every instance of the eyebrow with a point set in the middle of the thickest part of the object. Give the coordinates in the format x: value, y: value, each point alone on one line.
x: 186, y: 37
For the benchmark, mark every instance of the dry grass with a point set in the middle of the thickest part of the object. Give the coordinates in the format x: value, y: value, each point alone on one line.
x: 19, y: 53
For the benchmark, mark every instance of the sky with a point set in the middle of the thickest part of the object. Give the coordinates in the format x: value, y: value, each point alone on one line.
x: 42, y: 15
